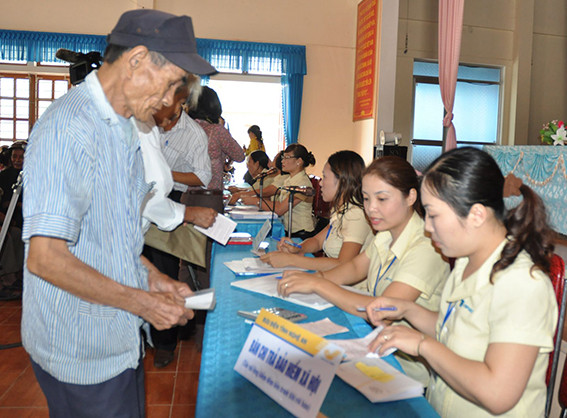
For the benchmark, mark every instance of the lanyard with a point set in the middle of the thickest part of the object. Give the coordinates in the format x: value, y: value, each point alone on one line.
x: 328, y: 232
x: 450, y: 310
x: 380, y: 277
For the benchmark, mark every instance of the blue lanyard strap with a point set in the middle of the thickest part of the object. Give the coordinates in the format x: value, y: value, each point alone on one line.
x: 380, y: 277
x: 328, y: 232
x: 450, y: 310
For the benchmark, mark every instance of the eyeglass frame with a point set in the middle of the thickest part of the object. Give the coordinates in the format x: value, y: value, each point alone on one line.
x: 287, y: 157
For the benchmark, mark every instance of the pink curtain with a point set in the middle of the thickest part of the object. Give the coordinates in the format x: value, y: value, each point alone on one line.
x: 450, y: 30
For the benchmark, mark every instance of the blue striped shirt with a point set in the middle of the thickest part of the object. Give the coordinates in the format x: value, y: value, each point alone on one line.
x: 84, y: 183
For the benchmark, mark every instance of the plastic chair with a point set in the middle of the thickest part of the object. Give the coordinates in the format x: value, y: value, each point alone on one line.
x: 321, y: 209
x: 557, y: 275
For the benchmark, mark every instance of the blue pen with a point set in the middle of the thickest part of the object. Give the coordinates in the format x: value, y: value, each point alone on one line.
x: 384, y: 308
x: 289, y: 243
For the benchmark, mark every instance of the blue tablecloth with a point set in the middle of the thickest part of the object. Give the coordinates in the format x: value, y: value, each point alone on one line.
x: 543, y: 169
x: 224, y: 393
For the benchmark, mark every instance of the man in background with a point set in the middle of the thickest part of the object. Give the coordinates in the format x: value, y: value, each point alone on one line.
x: 184, y: 146
x: 88, y: 291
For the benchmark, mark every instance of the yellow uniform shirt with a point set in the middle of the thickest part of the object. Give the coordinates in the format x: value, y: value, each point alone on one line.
x: 351, y: 226
x: 517, y: 308
x: 302, y: 216
x: 255, y: 145
x: 411, y: 260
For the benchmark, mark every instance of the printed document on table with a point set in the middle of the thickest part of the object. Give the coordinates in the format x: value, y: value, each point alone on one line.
x: 379, y: 381
x: 268, y: 285
x: 250, y: 265
x: 219, y: 231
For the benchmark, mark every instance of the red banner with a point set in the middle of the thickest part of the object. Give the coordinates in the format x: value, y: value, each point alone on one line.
x: 365, y: 67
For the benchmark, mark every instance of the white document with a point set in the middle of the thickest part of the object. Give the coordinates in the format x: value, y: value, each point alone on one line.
x: 379, y: 381
x: 268, y: 285
x: 323, y: 327
x: 358, y: 347
x: 250, y: 265
x: 201, y: 300
x: 219, y: 231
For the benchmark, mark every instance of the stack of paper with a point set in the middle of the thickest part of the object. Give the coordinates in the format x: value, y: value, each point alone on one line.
x: 379, y: 381
x: 268, y: 285
x: 238, y: 213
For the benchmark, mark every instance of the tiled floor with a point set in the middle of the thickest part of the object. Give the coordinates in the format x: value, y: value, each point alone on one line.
x: 171, y: 392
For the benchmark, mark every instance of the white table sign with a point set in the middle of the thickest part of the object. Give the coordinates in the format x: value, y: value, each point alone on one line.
x: 291, y: 365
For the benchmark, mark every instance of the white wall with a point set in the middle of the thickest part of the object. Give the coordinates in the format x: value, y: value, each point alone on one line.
x: 507, y: 33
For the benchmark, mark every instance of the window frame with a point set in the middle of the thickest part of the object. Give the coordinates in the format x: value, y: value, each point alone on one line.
x: 435, y: 81
x: 34, y: 72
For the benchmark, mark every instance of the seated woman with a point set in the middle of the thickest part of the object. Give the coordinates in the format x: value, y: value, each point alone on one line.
x: 348, y: 229
x: 294, y: 160
x: 401, y: 261
x: 256, y: 163
x: 489, y: 340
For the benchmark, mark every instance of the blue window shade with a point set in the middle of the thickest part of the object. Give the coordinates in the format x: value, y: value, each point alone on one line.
x: 247, y: 57
x: 42, y: 46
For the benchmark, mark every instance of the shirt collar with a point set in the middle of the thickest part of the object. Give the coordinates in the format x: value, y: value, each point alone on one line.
x: 107, y: 112
x: 477, y: 280
x: 384, y: 239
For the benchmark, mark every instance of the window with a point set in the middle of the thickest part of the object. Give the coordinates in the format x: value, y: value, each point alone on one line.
x: 476, y: 110
x: 251, y: 100
x: 23, y: 99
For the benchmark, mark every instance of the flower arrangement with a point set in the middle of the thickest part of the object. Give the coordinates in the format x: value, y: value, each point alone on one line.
x: 553, y: 133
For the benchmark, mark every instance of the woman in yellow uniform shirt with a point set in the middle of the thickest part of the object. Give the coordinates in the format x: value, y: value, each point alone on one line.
x: 490, y: 340
x: 401, y: 261
x: 348, y: 229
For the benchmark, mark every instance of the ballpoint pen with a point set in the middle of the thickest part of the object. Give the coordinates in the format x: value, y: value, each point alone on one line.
x: 384, y: 308
x: 289, y: 243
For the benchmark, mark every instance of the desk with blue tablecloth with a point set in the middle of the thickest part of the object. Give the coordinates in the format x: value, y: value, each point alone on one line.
x: 543, y: 169
x: 224, y: 393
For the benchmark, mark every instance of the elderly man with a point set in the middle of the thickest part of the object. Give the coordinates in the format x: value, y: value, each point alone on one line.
x: 87, y: 290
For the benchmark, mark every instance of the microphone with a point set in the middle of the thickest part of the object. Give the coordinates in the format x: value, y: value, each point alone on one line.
x: 265, y: 173
x: 307, y: 191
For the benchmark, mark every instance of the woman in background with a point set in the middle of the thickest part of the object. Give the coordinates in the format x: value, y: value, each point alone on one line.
x: 222, y: 146
x: 256, y: 140
x: 257, y: 162
x: 348, y: 229
x: 294, y: 160
x: 490, y: 339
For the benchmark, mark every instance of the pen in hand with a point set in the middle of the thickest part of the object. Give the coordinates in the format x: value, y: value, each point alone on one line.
x: 385, y: 308
x: 293, y: 244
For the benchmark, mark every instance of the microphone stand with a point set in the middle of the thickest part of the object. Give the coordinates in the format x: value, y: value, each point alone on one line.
x: 290, y: 212
x: 261, y: 193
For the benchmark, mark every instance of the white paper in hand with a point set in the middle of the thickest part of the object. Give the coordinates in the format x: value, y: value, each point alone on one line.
x: 201, y: 300
x: 219, y: 231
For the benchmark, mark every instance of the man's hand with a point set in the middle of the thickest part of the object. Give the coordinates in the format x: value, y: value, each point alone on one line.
x: 203, y: 217
x: 166, y: 301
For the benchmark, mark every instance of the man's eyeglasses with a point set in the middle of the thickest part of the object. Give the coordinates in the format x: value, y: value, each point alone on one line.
x: 287, y: 157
